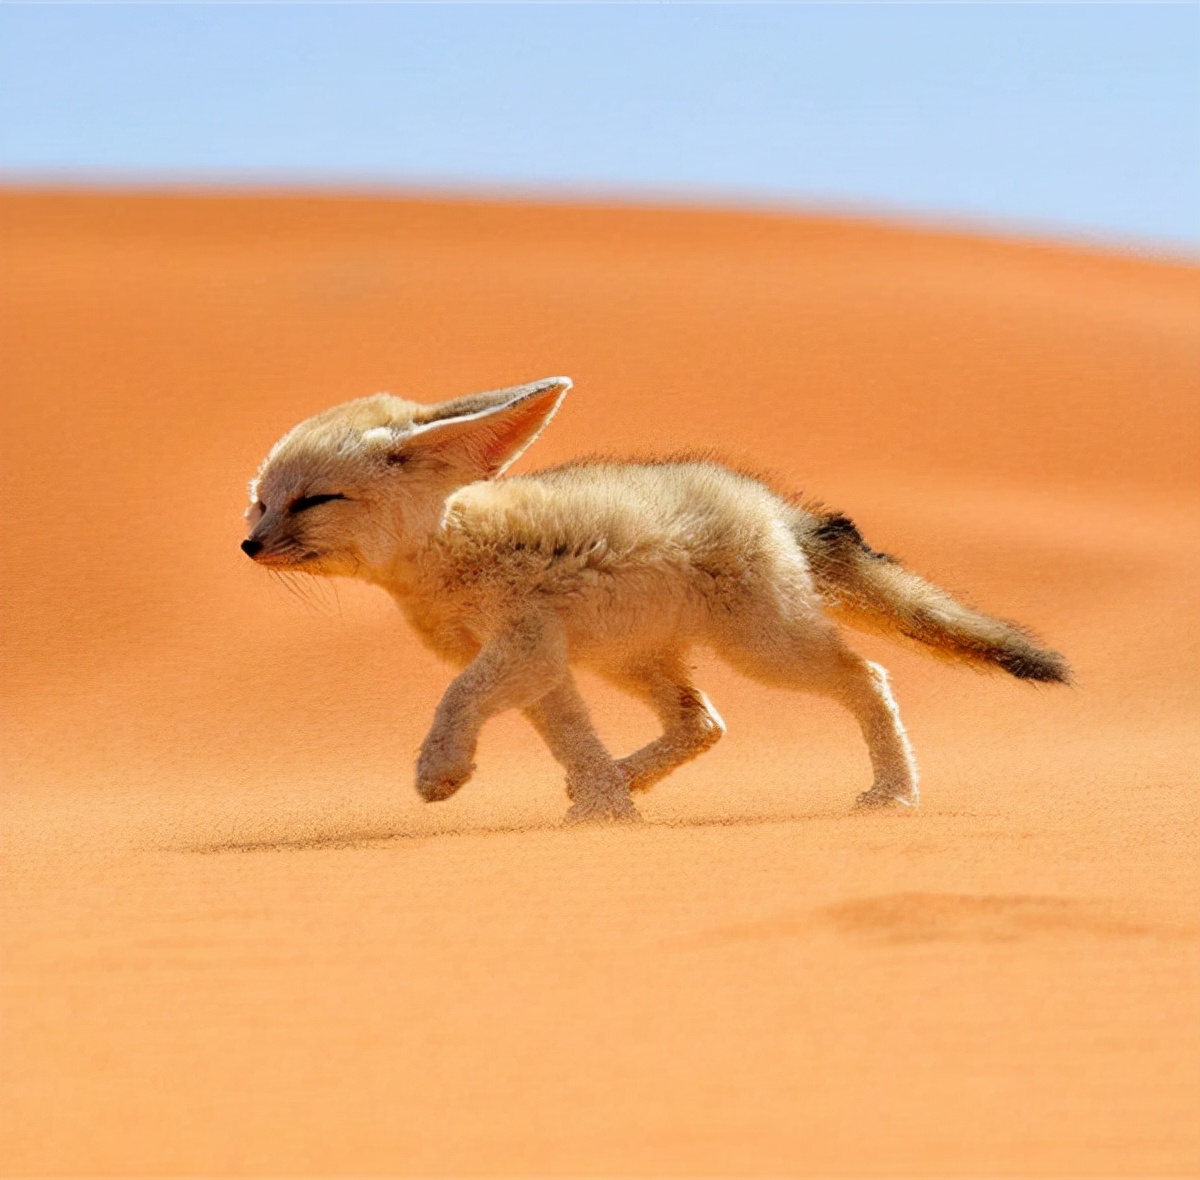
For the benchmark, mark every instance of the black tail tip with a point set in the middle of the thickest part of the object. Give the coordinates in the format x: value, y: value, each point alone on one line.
x: 1042, y: 667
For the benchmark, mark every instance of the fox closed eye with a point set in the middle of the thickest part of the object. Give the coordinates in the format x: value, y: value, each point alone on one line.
x: 304, y: 503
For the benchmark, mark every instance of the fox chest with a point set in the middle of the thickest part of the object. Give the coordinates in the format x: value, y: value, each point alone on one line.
x: 441, y: 627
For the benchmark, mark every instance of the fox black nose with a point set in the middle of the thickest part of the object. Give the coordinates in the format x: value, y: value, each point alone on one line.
x: 250, y: 548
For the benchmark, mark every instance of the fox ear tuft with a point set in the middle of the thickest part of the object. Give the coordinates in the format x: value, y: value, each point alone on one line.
x: 487, y: 432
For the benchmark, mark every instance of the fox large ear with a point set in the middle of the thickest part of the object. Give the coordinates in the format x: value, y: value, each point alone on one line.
x: 487, y: 432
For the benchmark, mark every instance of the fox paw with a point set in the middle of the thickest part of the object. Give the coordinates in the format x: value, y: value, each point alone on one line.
x: 604, y: 809
x: 439, y: 778
x: 880, y: 796
x: 434, y: 790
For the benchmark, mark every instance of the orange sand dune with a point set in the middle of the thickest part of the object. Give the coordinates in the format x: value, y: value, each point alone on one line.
x: 236, y: 943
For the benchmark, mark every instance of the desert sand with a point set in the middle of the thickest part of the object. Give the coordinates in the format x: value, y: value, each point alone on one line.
x: 236, y: 942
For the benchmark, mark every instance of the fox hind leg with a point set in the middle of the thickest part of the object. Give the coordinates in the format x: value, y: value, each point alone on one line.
x: 690, y: 723
x: 807, y: 653
x: 896, y: 777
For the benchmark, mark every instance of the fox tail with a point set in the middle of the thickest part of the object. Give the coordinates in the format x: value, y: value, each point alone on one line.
x: 874, y: 592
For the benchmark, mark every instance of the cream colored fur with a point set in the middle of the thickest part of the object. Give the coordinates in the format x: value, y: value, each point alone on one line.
x: 619, y: 567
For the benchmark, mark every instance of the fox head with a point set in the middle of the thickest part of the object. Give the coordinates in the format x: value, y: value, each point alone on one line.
x: 342, y: 492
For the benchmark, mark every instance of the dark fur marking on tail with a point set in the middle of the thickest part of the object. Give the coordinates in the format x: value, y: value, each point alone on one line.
x: 840, y: 529
x: 1047, y: 667
x: 1027, y: 663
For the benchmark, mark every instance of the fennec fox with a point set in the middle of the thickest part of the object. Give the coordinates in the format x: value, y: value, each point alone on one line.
x: 620, y: 567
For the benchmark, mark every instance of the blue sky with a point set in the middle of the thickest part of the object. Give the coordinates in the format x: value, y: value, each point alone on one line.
x: 1074, y: 120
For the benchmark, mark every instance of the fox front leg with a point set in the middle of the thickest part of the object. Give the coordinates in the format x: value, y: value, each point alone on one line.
x: 597, y: 787
x: 512, y: 671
